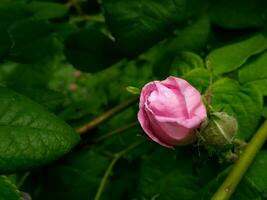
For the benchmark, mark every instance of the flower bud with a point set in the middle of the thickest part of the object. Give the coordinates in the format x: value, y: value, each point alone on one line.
x: 170, y: 111
x: 219, y: 130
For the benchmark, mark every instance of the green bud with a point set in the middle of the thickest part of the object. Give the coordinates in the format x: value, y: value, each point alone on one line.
x: 133, y: 90
x: 218, y: 131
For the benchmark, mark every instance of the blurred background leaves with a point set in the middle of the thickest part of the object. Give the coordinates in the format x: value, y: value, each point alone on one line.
x: 75, y: 58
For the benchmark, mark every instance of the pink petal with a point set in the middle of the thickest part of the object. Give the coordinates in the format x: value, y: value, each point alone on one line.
x: 142, y: 116
x: 167, y: 102
x: 170, y: 133
x: 192, y: 97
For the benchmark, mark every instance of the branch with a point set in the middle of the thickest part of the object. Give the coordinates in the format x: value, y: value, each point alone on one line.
x: 239, y: 169
x: 104, y: 117
x: 108, y: 171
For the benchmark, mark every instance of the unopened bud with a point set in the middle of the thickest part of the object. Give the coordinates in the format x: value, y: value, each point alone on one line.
x: 219, y: 130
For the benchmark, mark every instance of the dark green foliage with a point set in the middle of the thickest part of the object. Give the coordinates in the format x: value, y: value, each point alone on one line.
x: 217, y: 46
x: 90, y: 50
x: 243, y: 102
x: 77, y: 177
x: 9, y: 190
x: 30, y: 136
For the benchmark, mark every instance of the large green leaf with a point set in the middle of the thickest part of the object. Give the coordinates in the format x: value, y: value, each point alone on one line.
x: 199, y: 78
x: 30, y: 136
x: 185, y: 62
x: 137, y: 25
x: 255, y: 72
x: 49, y: 99
x: 239, y: 13
x: 21, y: 75
x: 232, y: 56
x: 47, y: 10
x: 90, y: 50
x: 244, y: 102
x: 191, y: 37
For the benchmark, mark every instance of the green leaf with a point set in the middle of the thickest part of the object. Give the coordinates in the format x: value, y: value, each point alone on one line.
x: 47, y: 10
x: 163, y: 176
x: 77, y: 177
x: 230, y: 57
x: 11, y: 11
x: 255, y: 72
x: 30, y: 136
x: 192, y: 37
x: 185, y: 62
x: 33, y: 40
x: 238, y: 14
x: 8, y: 190
x: 90, y: 50
x: 137, y: 25
x: 199, y: 78
x: 133, y: 90
x: 243, y: 102
x: 190, y: 66
x: 64, y: 30
x: 21, y: 76
x: 49, y: 99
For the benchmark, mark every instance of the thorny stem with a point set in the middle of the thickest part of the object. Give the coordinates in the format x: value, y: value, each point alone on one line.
x: 117, y: 131
x: 104, y: 117
x: 109, y: 169
x: 240, y: 167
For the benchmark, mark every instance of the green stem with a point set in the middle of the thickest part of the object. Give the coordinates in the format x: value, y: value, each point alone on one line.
x: 240, y: 167
x: 109, y: 169
x: 81, y: 18
x: 115, y: 132
x: 104, y: 117
x: 23, y: 179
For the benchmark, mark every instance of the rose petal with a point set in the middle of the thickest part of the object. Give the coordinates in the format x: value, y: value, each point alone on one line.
x: 143, y: 118
x: 166, y: 102
x: 192, y: 97
x: 171, y: 133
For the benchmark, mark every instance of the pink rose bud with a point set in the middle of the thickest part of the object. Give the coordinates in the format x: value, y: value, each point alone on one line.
x: 170, y: 111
